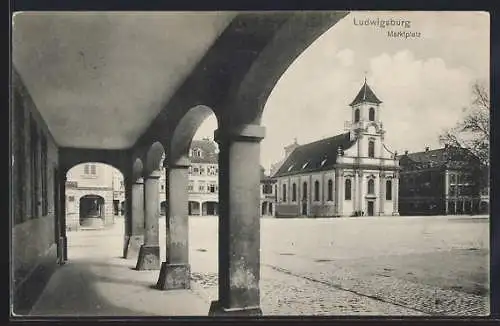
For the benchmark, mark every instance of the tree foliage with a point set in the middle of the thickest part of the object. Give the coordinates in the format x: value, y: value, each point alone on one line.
x: 473, y: 132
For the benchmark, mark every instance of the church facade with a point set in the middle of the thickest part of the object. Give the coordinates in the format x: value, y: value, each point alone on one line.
x: 350, y: 174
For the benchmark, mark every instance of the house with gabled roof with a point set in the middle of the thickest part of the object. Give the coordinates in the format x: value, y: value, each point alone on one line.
x: 349, y: 174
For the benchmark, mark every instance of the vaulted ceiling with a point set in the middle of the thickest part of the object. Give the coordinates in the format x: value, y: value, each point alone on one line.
x: 99, y: 79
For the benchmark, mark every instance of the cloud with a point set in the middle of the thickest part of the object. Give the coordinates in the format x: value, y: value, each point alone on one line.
x: 421, y: 97
x: 346, y: 57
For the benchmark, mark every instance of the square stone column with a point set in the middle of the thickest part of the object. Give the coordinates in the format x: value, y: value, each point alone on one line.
x: 395, y: 194
x: 149, y: 253
x: 62, y: 245
x: 135, y: 218
x: 176, y: 272
x: 239, y: 221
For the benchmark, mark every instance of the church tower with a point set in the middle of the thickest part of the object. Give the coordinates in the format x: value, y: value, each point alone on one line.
x: 366, y: 124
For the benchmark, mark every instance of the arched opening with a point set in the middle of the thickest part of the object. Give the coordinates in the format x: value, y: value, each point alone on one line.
x: 105, y: 183
x: 316, y: 190
x: 371, y: 114
x: 371, y: 187
x: 484, y: 207
x: 263, y: 211
x: 356, y: 115
x: 209, y: 208
x: 347, y: 190
x: 388, y: 190
x: 284, y: 193
x: 294, y: 192
x: 304, y: 191
x: 330, y: 190
x: 371, y: 149
x: 94, y: 197
x: 194, y: 208
x: 91, y: 211
x: 270, y: 208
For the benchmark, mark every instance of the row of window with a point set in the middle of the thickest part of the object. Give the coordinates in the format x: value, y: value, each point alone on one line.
x: 371, y: 115
x: 347, y: 192
x: 38, y: 168
x: 202, y: 187
x: 211, y: 170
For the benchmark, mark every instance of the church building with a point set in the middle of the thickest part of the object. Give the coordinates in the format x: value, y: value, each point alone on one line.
x: 350, y: 174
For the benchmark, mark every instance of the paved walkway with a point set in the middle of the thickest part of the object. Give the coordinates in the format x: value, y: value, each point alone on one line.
x: 97, y: 282
x: 420, y: 266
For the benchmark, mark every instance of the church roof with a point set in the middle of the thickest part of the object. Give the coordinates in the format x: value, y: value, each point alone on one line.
x: 317, y: 156
x: 365, y: 94
x: 436, y: 157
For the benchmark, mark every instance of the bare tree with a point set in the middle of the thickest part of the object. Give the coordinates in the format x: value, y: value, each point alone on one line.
x: 473, y: 133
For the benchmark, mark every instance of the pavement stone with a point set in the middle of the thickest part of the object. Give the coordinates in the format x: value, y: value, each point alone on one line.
x: 364, y: 266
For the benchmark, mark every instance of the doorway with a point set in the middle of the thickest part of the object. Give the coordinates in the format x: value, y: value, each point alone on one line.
x: 304, y: 208
x: 371, y: 208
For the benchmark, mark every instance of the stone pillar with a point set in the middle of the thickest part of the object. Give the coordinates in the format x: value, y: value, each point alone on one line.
x: 354, y: 192
x: 360, y: 192
x: 63, y: 240
x: 446, y: 191
x: 149, y: 253
x: 381, y: 200
x: 134, y: 194
x: 395, y: 194
x: 339, y: 192
x: 175, y: 272
x: 201, y: 208
x: 239, y: 222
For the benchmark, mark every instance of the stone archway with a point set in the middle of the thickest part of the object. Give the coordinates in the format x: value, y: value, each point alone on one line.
x: 91, y: 212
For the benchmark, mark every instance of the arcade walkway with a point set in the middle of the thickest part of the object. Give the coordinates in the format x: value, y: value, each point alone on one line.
x: 96, y: 281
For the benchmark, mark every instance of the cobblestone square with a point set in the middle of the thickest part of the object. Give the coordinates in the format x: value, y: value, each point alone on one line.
x: 399, y: 266
x: 373, y: 266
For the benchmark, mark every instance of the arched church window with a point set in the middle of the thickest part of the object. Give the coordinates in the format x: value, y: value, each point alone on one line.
x: 294, y: 192
x: 284, y: 193
x: 371, y: 148
x: 316, y: 190
x: 388, y: 190
x: 371, y: 114
x: 348, y: 189
x: 304, y: 190
x: 371, y: 186
x: 356, y: 115
x: 330, y: 190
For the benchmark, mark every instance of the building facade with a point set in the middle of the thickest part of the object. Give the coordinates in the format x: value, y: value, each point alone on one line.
x: 350, y: 174
x: 203, y: 186
x: 268, y: 196
x: 94, y: 195
x: 444, y: 181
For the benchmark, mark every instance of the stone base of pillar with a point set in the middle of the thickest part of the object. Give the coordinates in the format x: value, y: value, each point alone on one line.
x: 174, y: 277
x: 217, y: 310
x: 132, y: 246
x: 149, y: 258
x: 395, y: 214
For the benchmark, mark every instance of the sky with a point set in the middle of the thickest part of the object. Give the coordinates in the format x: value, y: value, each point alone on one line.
x: 423, y: 81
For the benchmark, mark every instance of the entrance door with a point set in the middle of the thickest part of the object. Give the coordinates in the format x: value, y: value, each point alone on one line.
x: 304, y: 208
x: 370, y: 208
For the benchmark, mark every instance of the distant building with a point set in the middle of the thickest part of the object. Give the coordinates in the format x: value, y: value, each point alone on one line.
x: 94, y: 195
x: 203, y: 186
x: 350, y: 174
x: 267, y: 195
x: 442, y: 181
